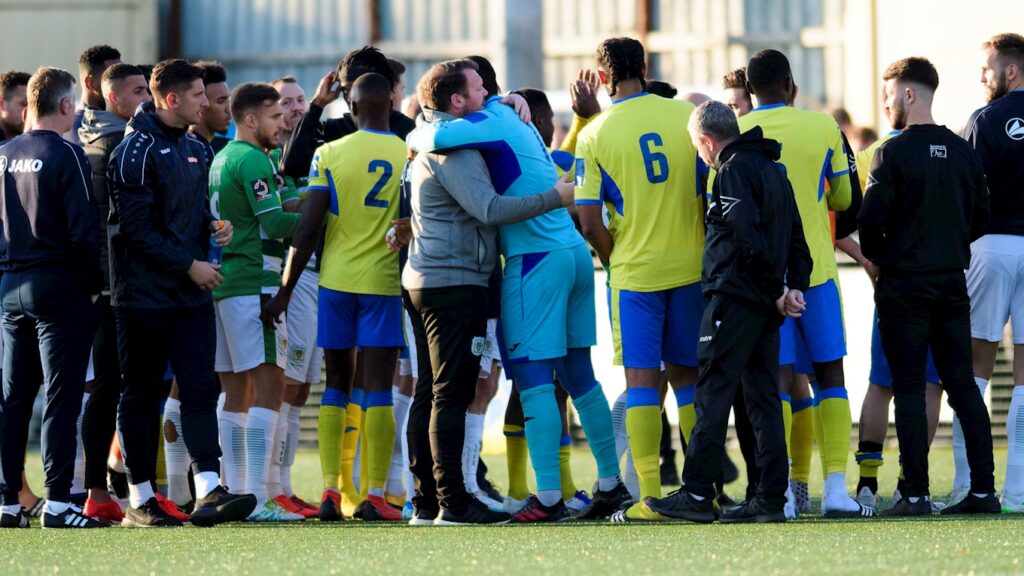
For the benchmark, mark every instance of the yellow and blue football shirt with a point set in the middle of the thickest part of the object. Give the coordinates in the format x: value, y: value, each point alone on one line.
x: 812, y: 152
x: 361, y: 172
x: 865, y: 156
x: 637, y: 159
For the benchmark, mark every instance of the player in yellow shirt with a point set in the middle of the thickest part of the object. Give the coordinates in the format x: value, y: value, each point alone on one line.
x: 817, y: 167
x: 638, y: 160
x: 354, y: 184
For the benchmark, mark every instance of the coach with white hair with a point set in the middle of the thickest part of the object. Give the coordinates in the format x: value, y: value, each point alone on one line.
x: 50, y: 258
x: 755, y: 269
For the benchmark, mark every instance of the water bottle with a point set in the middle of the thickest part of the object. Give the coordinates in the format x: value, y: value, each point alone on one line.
x: 216, y: 253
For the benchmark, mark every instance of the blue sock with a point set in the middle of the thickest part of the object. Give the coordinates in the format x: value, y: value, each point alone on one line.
x: 596, y: 418
x: 543, y: 434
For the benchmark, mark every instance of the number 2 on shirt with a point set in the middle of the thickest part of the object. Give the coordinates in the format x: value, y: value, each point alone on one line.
x: 385, y: 168
x: 656, y: 163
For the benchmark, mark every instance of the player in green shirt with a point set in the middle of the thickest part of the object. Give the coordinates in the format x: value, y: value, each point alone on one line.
x: 245, y: 188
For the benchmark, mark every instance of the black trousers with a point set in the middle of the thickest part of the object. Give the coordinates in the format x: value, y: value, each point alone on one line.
x: 739, y: 348
x: 445, y: 323
x: 915, y: 312
x: 748, y: 442
x: 147, y: 339
x: 100, y: 417
x: 48, y: 323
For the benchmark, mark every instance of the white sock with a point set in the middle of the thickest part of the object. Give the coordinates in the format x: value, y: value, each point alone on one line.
x: 396, y: 472
x: 232, y: 446
x: 278, y: 456
x: 619, y: 425
x: 221, y: 398
x: 961, y: 467
x: 12, y: 509
x: 259, y: 444
x: 206, y: 482
x: 61, y: 507
x: 1014, y: 483
x: 549, y: 497
x: 176, y: 456
x: 78, y: 481
x: 291, y: 445
x: 835, y: 496
x: 138, y: 494
x: 471, y: 452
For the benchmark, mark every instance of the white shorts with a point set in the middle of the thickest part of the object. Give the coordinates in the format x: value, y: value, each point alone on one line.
x: 491, y: 356
x: 995, y: 282
x: 242, y: 343
x: 304, y: 358
x: 407, y: 365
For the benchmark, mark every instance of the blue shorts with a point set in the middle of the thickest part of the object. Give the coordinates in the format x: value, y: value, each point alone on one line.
x: 794, y: 354
x: 346, y: 320
x: 651, y: 327
x: 821, y: 328
x: 547, y: 304
x: 880, y: 373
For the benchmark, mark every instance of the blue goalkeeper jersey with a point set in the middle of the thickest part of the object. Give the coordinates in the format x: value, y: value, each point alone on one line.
x: 519, y: 164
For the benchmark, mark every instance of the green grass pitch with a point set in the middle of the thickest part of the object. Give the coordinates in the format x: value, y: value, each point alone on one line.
x: 808, y: 546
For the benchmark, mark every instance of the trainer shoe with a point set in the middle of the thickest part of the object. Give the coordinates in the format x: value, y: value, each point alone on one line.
x: 802, y: 495
x: 303, y: 504
x: 868, y: 498
x: 286, y: 503
x: 407, y: 511
x: 861, y: 511
x: 635, y: 513
x: 16, y: 520
x: 755, y: 510
x: 171, y: 508
x: 495, y: 505
x: 377, y: 509
x: 988, y: 504
x: 474, y: 513
x: 937, y: 507
x: 150, y: 515
x: 682, y: 505
x: 220, y: 506
x: 535, y: 511
x: 604, y: 503
x: 270, y: 511
x: 512, y: 505
x: 301, y: 507
x: 421, y: 516
x: 1012, y: 504
x: 330, y: 507
x: 71, y: 518
x: 904, y: 507
x: 109, y: 511
x: 36, y: 510
x: 578, y: 503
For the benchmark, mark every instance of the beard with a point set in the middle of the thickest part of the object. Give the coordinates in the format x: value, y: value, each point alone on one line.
x: 898, y: 116
x: 999, y: 90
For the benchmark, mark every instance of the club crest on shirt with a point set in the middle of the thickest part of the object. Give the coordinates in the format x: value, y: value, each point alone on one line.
x: 260, y: 189
x: 937, y: 151
x: 1015, y: 129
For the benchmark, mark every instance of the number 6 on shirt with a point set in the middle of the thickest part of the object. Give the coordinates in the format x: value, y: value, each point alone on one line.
x: 656, y: 163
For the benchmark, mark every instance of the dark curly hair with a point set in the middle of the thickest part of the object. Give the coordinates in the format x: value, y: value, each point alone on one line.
x: 622, y: 59
x: 362, y: 61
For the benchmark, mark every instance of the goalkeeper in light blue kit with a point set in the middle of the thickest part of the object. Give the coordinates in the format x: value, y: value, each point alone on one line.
x: 547, y: 303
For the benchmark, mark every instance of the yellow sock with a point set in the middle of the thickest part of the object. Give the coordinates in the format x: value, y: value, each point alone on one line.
x: 643, y: 427
x: 380, y: 440
x: 364, y: 462
x: 350, y: 442
x: 516, y: 455
x: 834, y: 410
x: 802, y: 439
x: 330, y: 431
x: 687, y: 411
x: 819, y: 429
x: 565, y: 468
x: 787, y: 421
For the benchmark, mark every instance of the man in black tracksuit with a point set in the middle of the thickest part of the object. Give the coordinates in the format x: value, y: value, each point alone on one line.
x: 50, y: 257
x: 160, y: 283
x: 926, y: 201
x: 755, y: 269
